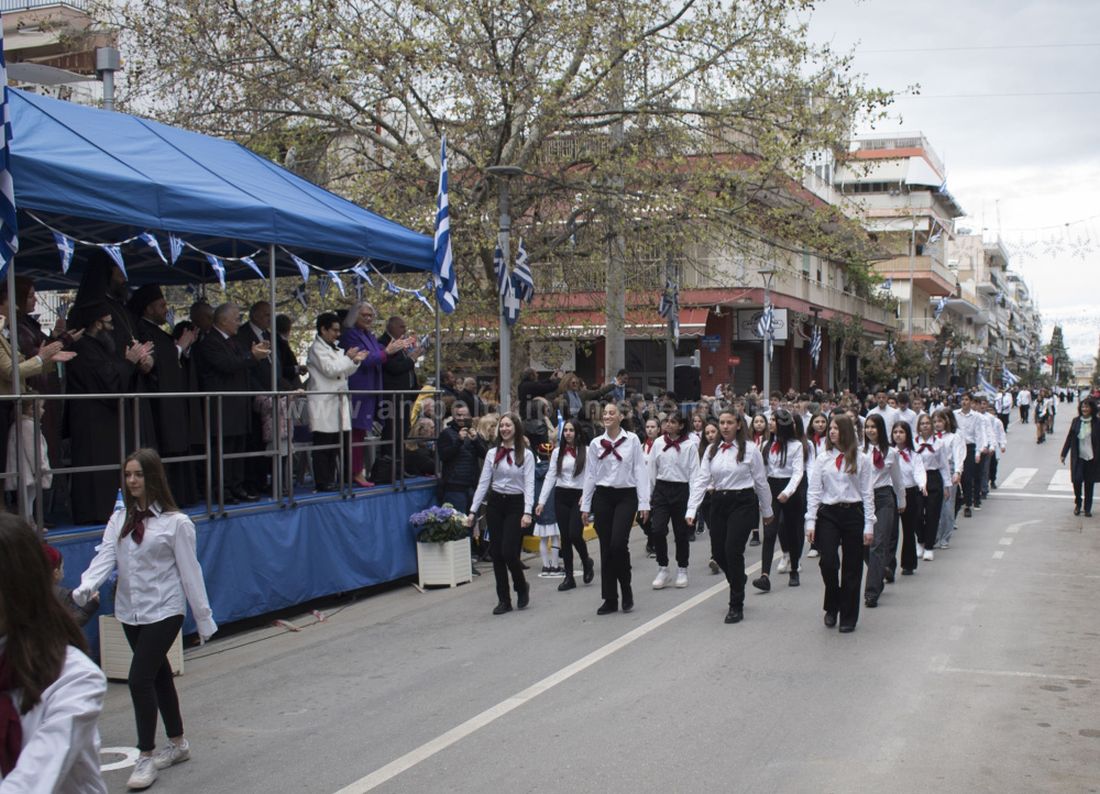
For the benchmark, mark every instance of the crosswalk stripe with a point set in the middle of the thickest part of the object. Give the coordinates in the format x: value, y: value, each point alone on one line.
x: 1017, y: 480
x: 1060, y: 481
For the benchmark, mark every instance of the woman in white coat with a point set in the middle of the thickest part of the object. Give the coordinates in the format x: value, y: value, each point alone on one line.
x: 329, y: 414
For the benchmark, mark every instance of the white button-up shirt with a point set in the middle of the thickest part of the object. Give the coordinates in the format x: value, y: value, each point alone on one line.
x: 936, y: 455
x: 671, y: 464
x: 794, y: 467
x: 506, y: 477
x: 628, y: 470
x: 999, y: 440
x: 912, y: 471
x: 154, y: 576
x: 568, y: 478
x: 60, y: 751
x: 971, y: 428
x: 889, y: 416
x: 889, y: 476
x: 722, y: 472
x: 909, y: 416
x: 831, y: 486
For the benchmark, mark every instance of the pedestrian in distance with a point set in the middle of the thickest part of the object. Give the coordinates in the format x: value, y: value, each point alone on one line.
x: 1083, y: 448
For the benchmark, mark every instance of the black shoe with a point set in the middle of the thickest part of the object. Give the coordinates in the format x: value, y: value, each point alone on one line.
x: 607, y: 607
x: 846, y: 629
x: 967, y: 512
x: 906, y: 571
x: 568, y: 583
x: 755, y: 539
x: 870, y: 602
x: 1088, y: 514
x: 525, y: 566
x: 230, y: 499
x: 762, y: 583
x: 523, y: 598
x: 502, y: 607
x: 628, y: 599
x: 1077, y: 510
x: 327, y: 487
x: 735, y: 615
x: 589, y: 570
x: 794, y: 580
x: 993, y: 485
x: 830, y: 619
x: 650, y: 550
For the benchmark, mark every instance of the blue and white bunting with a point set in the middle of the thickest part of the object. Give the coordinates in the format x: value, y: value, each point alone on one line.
x: 390, y: 288
x: 500, y: 268
x: 335, y: 277
x: 420, y: 297
x: 363, y: 273
x: 525, y: 282
x: 218, y: 267
x: 300, y: 296
x: 322, y: 287
x: 175, y: 247
x: 66, y: 247
x: 9, y: 229
x: 170, y: 317
x: 150, y: 240
x: 303, y: 266
x: 357, y: 284
x: 255, y: 268
x: 446, y: 283
x: 115, y: 252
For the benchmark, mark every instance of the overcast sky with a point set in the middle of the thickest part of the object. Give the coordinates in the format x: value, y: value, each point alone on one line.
x: 1014, y: 162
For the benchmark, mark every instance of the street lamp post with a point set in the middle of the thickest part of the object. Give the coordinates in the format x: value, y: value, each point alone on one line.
x: 503, y: 175
x: 767, y: 273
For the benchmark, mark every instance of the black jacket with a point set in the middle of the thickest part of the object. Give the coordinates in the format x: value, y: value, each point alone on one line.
x: 529, y: 389
x: 1070, y: 448
x: 399, y: 371
x: 225, y: 367
x: 460, y: 460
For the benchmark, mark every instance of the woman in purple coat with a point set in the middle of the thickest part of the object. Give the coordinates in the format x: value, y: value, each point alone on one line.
x: 357, y: 333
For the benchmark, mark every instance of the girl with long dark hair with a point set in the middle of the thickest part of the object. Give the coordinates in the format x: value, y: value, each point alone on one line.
x: 1083, y: 448
x: 702, y: 516
x: 153, y: 545
x: 565, y: 480
x: 51, y: 694
x: 889, y: 498
x: 734, y: 469
x: 943, y: 422
x: 673, y: 466
x: 840, y: 517
x: 785, y: 459
x: 914, y: 479
x: 936, y: 458
x: 508, y: 480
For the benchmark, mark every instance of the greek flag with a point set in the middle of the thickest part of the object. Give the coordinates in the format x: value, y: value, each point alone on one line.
x: 815, y: 345
x: 525, y: 282
x: 175, y: 247
x: 66, y: 247
x: 766, y: 328
x: 9, y: 231
x: 941, y: 304
x: 115, y: 252
x: 299, y: 295
x: 890, y: 349
x: 302, y: 265
x: 1008, y: 377
x: 511, y: 301
x: 504, y: 285
x: 446, y: 285
x: 219, y: 268
x: 335, y: 277
x: 670, y: 301
x: 986, y: 387
x: 247, y: 260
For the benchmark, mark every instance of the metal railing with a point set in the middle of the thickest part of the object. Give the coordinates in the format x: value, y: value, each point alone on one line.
x: 7, y: 6
x: 213, y: 456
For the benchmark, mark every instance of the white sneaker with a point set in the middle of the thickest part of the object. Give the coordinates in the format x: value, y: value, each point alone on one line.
x: 784, y: 564
x: 663, y: 578
x: 144, y: 774
x: 942, y: 545
x: 813, y: 553
x: 928, y: 555
x: 681, y: 577
x: 172, y: 754
x: 920, y: 549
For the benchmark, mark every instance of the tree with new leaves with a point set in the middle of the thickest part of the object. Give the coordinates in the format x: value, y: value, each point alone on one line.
x: 1063, y: 364
x: 641, y: 127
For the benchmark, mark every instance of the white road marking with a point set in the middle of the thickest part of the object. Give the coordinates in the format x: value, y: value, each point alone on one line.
x: 1061, y: 481
x: 1017, y: 480
x: 998, y: 555
x: 443, y: 741
x: 1001, y: 496
x: 1012, y: 530
x: 1005, y: 541
x: 129, y: 758
x: 1014, y: 674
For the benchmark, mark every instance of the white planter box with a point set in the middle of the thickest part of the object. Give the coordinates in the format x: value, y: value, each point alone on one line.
x: 444, y: 563
x: 115, y: 654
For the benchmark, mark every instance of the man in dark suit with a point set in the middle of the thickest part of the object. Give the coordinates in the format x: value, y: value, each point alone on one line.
x: 398, y: 374
x: 256, y: 330
x: 227, y: 367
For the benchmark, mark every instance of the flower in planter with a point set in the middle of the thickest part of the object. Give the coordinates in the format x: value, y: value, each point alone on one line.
x: 439, y: 525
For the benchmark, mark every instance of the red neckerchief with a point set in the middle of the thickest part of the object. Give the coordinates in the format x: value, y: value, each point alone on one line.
x: 135, y: 525
x: 758, y: 439
x: 670, y: 444
x: 612, y: 449
x: 571, y: 451
x: 648, y: 444
x: 11, y: 729
x: 876, y: 456
x: 775, y: 447
x: 725, y: 445
x: 939, y: 434
x: 904, y: 454
x: 817, y: 439
x: 839, y: 461
x: 925, y: 446
x: 502, y: 453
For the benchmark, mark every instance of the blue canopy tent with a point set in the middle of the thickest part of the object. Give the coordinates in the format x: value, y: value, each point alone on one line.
x: 101, y: 176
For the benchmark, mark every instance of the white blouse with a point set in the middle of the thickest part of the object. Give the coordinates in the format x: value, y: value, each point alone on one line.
x: 722, y: 472
x: 567, y: 479
x: 672, y: 464
x: 889, y: 476
x: 936, y: 456
x: 507, y: 477
x: 60, y: 750
x: 831, y: 484
x: 623, y: 466
x: 913, y: 474
x: 154, y: 576
x: 794, y: 467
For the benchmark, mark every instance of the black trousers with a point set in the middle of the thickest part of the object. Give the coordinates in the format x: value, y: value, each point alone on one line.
x: 613, y: 510
x: 1024, y: 411
x: 1082, y: 485
x: 326, y: 461
x: 503, y: 514
x: 151, y: 686
x: 992, y: 468
x: 567, y: 510
x: 733, y: 517
x: 931, y: 507
x: 787, y: 526
x: 971, y: 494
x: 670, y: 501
x: 839, y: 531
x: 912, y: 529
x: 881, y: 555
x: 233, y: 469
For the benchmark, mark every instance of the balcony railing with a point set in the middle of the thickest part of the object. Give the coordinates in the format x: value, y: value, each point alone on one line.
x: 797, y: 285
x: 7, y: 6
x: 924, y: 268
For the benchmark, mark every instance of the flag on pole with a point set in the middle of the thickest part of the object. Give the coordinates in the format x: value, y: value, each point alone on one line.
x: 669, y: 307
x: 766, y: 328
x: 815, y: 345
x: 985, y: 386
x: 9, y: 231
x: 446, y: 285
x: 890, y: 349
x: 1008, y: 377
x: 501, y: 270
x: 511, y: 301
x: 941, y: 304
x: 525, y: 282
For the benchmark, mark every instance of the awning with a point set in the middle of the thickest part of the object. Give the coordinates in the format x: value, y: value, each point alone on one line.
x: 640, y: 323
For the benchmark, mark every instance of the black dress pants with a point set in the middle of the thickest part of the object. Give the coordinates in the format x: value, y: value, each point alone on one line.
x: 670, y: 501
x: 567, y: 510
x: 326, y: 461
x: 912, y: 529
x: 971, y: 494
x: 1082, y: 485
x: 150, y: 679
x: 788, y: 524
x: 503, y: 514
x: 931, y: 507
x: 613, y: 510
x: 733, y: 517
x: 839, y: 531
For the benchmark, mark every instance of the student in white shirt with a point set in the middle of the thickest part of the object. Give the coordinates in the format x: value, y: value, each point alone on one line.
x: 733, y: 467
x: 905, y: 414
x: 936, y: 457
x: 840, y: 517
x: 51, y: 694
x: 565, y: 480
x: 889, y: 498
x: 955, y: 448
x: 785, y: 460
x: 507, y: 488
x: 153, y: 545
x: 616, y: 486
x: 998, y: 443
x: 914, y: 479
x: 673, y: 465
x: 883, y: 408
x: 648, y: 437
x: 1023, y: 400
x: 972, y: 429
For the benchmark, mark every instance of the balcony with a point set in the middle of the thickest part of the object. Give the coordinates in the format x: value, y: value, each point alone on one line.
x: 794, y: 284
x: 8, y: 6
x: 929, y: 273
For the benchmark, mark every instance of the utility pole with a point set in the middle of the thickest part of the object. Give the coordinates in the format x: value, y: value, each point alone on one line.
x: 767, y: 273
x: 503, y: 175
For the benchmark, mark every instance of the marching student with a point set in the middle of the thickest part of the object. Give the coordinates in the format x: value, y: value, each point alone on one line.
x: 734, y: 468
x: 508, y: 480
x: 648, y: 437
x: 702, y: 516
x: 1000, y: 445
x: 914, y: 479
x: 616, y: 486
x: 947, y: 434
x: 785, y: 460
x: 1083, y: 447
x: 936, y: 456
x: 972, y: 430
x: 673, y: 465
x: 889, y: 501
x: 153, y: 545
x: 817, y: 435
x: 985, y: 468
x: 51, y: 694
x: 763, y: 428
x: 840, y: 517
x: 564, y: 482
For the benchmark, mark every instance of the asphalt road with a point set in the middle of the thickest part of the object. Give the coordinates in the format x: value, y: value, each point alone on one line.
x: 980, y: 673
